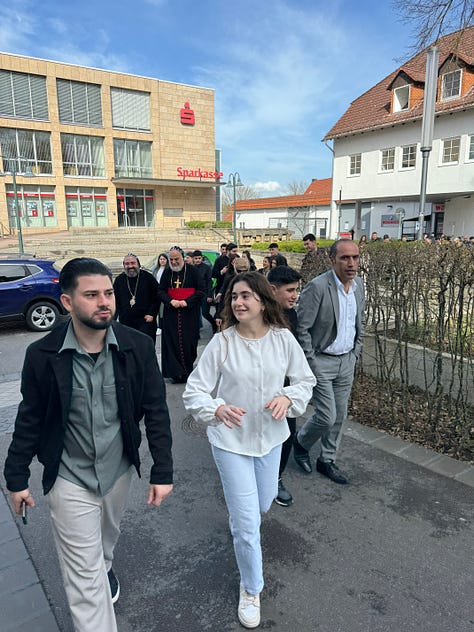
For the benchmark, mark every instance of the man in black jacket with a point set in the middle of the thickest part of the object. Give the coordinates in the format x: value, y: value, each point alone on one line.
x: 204, y: 270
x: 85, y: 387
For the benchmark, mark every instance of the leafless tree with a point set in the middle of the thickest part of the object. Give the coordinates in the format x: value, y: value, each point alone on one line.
x: 296, y: 188
x: 241, y: 193
x: 431, y: 19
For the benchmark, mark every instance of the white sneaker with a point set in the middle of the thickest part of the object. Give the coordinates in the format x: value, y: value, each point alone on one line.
x: 249, y: 609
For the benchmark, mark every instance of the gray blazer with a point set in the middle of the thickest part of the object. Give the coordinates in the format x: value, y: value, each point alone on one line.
x: 318, y: 315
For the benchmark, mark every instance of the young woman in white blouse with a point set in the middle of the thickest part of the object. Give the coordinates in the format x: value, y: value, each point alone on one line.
x: 247, y: 417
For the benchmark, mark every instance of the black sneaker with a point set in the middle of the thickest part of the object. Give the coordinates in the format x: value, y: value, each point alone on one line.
x: 284, y: 498
x: 114, y: 585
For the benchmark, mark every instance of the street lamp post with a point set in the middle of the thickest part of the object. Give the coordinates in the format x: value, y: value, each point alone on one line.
x: 234, y: 181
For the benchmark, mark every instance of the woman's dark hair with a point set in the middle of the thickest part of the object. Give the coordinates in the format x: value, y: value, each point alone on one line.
x: 162, y: 254
x: 279, y: 260
x: 272, y: 314
x: 80, y: 266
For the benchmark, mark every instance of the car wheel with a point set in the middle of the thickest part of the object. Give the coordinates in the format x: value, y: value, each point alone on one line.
x: 42, y: 316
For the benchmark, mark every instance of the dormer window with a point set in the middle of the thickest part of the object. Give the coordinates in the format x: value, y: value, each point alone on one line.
x: 451, y: 85
x: 401, y: 98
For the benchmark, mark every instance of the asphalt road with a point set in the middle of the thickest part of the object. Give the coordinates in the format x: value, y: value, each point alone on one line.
x: 390, y: 552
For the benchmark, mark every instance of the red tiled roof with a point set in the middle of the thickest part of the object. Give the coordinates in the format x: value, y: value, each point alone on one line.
x: 318, y: 193
x: 372, y: 109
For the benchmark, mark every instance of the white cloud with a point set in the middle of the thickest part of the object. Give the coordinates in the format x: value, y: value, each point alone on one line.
x: 274, y: 91
x: 269, y: 186
x: 16, y: 28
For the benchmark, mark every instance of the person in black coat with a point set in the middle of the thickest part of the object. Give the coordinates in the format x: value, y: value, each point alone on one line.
x: 85, y: 388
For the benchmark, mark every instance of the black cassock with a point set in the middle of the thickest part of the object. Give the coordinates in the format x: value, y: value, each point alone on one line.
x: 144, y: 299
x: 180, y: 326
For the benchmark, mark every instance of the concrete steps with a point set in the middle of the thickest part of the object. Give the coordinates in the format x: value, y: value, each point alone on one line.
x: 113, y: 244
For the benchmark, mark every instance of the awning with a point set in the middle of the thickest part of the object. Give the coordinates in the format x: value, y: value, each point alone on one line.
x: 426, y: 218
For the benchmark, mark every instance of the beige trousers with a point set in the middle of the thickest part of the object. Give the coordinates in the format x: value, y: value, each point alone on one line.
x: 86, y: 528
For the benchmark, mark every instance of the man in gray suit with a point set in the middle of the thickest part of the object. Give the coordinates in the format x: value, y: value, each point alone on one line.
x: 330, y: 330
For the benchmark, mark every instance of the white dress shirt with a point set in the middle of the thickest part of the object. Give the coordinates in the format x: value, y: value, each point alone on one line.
x: 346, y: 327
x: 248, y: 373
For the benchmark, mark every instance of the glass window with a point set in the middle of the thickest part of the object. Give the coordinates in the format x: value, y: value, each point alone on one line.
x: 130, y: 109
x: 401, y: 98
x: 451, y: 150
x: 355, y: 164
x: 23, y: 96
x: 409, y: 157
x: 387, y: 162
x: 83, y: 155
x: 451, y: 85
x: 22, y: 148
x: 86, y: 206
x: 471, y: 148
x: 132, y: 159
x: 79, y: 103
x: 12, y: 272
x: 36, y: 204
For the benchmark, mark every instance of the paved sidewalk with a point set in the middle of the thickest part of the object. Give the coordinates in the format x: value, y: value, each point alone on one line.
x: 24, y: 606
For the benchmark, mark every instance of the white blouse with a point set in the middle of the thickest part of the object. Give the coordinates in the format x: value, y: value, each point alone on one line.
x: 248, y: 373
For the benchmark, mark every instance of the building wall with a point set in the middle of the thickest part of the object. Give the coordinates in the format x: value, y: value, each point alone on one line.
x: 173, y: 144
x: 314, y: 219
x: 445, y: 181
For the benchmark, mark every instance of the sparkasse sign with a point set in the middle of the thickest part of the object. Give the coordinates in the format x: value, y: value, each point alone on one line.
x: 198, y: 173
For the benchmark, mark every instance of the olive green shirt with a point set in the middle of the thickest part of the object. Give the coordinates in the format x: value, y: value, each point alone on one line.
x: 93, y: 455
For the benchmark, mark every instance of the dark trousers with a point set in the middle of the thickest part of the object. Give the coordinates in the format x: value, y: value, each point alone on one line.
x: 206, y: 313
x: 286, y: 447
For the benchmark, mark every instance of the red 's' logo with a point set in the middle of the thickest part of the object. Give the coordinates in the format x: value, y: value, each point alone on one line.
x: 186, y: 115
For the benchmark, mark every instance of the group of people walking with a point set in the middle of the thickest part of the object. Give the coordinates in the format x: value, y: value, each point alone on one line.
x: 86, y: 386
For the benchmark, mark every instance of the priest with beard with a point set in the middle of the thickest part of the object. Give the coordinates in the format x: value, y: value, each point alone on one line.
x: 136, y: 296
x: 181, y: 291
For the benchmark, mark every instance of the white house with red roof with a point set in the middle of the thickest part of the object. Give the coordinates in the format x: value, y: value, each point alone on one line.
x: 377, y: 157
x: 309, y: 212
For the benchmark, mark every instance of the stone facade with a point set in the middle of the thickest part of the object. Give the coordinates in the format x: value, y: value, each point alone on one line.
x: 162, y: 198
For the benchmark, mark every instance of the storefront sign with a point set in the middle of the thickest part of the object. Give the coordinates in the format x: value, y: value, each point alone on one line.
x: 186, y: 115
x: 198, y: 173
x: 389, y: 220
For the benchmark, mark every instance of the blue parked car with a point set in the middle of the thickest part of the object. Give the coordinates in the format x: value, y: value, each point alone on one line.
x: 29, y: 291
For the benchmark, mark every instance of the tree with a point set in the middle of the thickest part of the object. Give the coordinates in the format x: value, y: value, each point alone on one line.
x: 296, y: 188
x: 431, y: 19
x: 241, y: 193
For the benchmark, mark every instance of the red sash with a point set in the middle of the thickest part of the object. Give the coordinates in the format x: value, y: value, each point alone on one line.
x: 180, y: 293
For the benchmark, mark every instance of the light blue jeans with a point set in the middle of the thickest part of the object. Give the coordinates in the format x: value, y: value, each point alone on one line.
x: 250, y: 484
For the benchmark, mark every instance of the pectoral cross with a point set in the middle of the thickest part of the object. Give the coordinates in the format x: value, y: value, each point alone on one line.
x: 177, y: 283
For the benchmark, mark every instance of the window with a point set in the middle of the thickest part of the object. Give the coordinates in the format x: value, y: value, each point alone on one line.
x: 86, y: 206
x: 132, y: 159
x: 23, y: 96
x: 470, y: 155
x: 355, y: 164
x: 387, y: 162
x: 36, y: 203
x: 12, y: 272
x: 450, y: 150
x: 83, y: 155
x: 130, y: 109
x: 79, y: 103
x: 451, y: 85
x: 409, y: 157
x: 22, y: 148
x: 401, y: 98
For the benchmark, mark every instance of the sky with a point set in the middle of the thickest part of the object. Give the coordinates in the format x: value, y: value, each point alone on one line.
x: 283, y: 71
